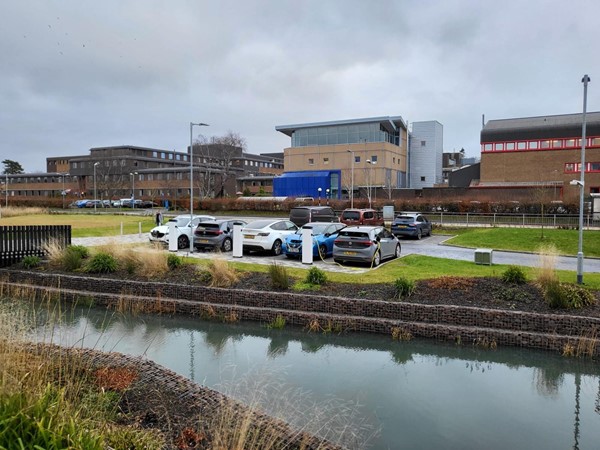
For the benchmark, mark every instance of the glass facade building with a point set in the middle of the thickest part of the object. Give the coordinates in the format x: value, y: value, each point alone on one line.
x: 344, y: 134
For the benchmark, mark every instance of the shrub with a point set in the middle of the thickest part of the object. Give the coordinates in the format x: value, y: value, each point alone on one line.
x: 102, y: 263
x: 404, y: 287
x: 514, y: 275
x: 279, y: 276
x: 316, y: 276
x: 278, y: 323
x: 174, y: 261
x: 29, y: 262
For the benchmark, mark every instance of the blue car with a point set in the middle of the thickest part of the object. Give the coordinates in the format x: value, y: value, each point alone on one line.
x: 323, y: 236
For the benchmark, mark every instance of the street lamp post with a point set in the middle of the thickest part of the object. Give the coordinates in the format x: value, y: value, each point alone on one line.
x: 133, y: 174
x: 327, y: 195
x: 319, y: 191
x: 371, y: 164
x: 6, y: 188
x: 585, y: 80
x: 192, y: 181
x: 352, y: 177
x: 63, y: 188
x: 96, y: 164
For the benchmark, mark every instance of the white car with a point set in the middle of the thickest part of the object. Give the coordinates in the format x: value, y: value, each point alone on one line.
x: 269, y: 235
x: 183, y: 230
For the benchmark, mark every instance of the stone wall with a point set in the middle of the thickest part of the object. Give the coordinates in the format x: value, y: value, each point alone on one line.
x: 461, y: 324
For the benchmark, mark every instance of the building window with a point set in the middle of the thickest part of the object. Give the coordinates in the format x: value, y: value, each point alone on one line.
x: 170, y: 155
x: 545, y: 144
x: 487, y: 147
x: 595, y: 190
x: 423, y: 143
x: 394, y: 160
x: 521, y: 145
x: 357, y: 159
x: 569, y: 167
x: 422, y: 178
x: 499, y: 146
x: 533, y: 145
x: 557, y: 143
x: 155, y: 154
x: 325, y: 161
x: 593, y: 167
x: 510, y: 146
x: 311, y: 161
x: 374, y: 158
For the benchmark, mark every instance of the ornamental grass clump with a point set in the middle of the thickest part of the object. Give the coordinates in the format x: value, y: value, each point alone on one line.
x: 279, y: 276
x: 404, y: 287
x: 220, y: 274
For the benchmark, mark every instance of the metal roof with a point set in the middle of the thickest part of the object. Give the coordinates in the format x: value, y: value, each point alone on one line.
x: 561, y: 120
x: 390, y: 123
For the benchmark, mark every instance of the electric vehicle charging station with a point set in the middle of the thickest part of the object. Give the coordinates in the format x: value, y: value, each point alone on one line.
x: 238, y: 241
x: 172, y: 238
x: 307, y: 245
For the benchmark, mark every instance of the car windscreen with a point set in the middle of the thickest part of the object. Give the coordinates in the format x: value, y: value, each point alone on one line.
x: 351, y: 215
x: 405, y: 219
x: 181, y: 221
x: 209, y: 225
x: 354, y: 234
x: 258, y: 224
x: 316, y: 228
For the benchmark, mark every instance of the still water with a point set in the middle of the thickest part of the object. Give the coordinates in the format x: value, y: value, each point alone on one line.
x: 368, y: 391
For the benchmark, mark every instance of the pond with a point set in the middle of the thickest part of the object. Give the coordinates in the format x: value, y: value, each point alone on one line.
x: 367, y: 391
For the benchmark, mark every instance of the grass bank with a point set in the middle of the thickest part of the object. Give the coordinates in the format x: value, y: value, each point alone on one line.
x: 525, y: 239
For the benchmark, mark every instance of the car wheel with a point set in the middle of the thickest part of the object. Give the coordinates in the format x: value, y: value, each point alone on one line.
x: 419, y: 233
x: 376, y: 258
x: 227, y: 245
x: 276, y: 249
x: 323, y: 251
x: 183, y: 242
x: 397, y: 252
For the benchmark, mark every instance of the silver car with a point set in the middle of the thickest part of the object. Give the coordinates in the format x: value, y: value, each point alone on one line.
x: 215, y: 234
x: 365, y: 244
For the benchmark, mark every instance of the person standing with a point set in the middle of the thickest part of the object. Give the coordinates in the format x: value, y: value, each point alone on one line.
x: 158, y: 218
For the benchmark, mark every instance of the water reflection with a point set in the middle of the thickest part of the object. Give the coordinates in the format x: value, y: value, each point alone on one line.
x: 420, y: 393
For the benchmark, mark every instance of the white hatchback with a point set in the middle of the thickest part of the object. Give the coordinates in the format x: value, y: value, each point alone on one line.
x: 267, y: 235
x: 183, y: 230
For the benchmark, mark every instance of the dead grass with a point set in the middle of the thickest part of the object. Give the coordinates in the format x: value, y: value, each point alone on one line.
x: 221, y: 273
x: 16, y: 211
x: 546, y: 271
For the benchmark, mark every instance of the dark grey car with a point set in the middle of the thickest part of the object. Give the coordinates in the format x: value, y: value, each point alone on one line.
x: 411, y: 224
x: 365, y: 244
x: 215, y: 234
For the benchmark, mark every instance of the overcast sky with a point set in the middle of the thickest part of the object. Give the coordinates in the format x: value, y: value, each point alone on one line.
x: 80, y: 74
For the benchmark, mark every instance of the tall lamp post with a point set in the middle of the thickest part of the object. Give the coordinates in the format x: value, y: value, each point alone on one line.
x: 63, y: 188
x: 96, y: 164
x: 192, y: 181
x: 327, y: 195
x: 319, y: 191
x: 585, y: 80
x: 352, y: 177
x: 133, y: 174
x: 371, y: 164
x: 6, y: 188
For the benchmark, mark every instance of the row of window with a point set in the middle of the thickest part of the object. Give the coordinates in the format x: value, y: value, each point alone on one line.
x: 343, y: 134
x: 541, y: 144
x: 576, y: 167
x: 311, y: 161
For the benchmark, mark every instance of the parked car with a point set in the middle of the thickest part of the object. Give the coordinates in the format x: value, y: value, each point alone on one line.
x: 301, y: 215
x: 79, y: 203
x: 215, y: 234
x: 361, y: 217
x: 411, y: 224
x: 323, y: 236
x: 267, y: 235
x: 92, y: 203
x: 146, y: 204
x: 183, y: 226
x: 119, y: 203
x: 365, y: 244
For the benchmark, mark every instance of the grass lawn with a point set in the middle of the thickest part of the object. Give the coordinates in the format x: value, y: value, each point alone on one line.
x: 525, y: 239
x: 418, y: 267
x: 87, y: 225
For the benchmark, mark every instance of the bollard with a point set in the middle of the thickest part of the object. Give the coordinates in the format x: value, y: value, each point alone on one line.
x: 121, y: 228
x: 140, y: 229
x: 307, y: 245
x: 238, y: 241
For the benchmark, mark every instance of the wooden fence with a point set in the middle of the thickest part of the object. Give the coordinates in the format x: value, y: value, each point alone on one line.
x: 17, y: 242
